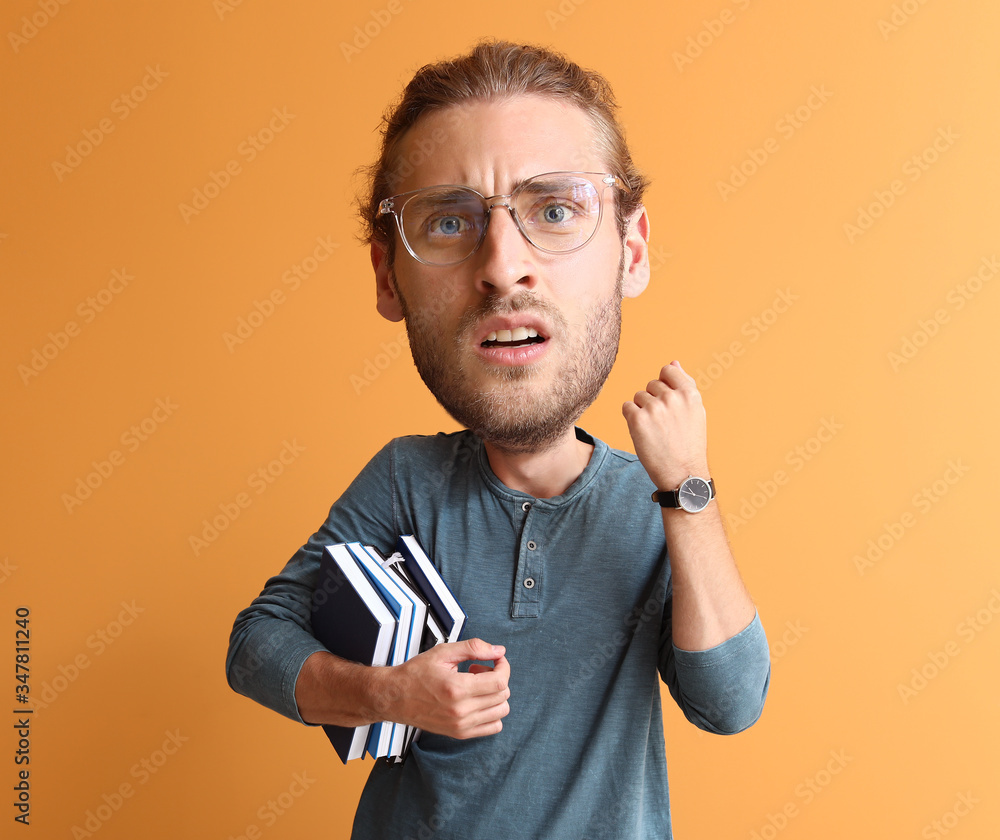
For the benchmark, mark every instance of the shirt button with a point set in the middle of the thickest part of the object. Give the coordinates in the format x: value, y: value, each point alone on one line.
x: 526, y: 506
x: 532, y: 545
x: 529, y: 583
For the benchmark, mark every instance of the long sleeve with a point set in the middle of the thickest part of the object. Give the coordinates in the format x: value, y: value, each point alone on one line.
x: 722, y: 689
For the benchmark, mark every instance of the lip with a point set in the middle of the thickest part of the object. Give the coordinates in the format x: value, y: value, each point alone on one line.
x: 512, y: 356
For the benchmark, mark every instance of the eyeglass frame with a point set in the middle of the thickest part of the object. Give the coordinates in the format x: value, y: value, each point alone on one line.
x: 386, y: 207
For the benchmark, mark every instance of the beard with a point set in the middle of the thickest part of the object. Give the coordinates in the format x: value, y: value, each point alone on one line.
x: 512, y: 411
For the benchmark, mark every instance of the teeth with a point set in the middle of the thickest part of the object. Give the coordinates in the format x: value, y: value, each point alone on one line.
x: 519, y: 334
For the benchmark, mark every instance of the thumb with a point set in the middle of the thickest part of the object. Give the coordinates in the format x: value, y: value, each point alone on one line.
x: 474, y: 649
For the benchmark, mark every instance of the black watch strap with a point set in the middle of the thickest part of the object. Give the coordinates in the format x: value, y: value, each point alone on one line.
x: 670, y: 498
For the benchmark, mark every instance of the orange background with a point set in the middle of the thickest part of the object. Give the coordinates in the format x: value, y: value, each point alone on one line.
x: 841, y: 751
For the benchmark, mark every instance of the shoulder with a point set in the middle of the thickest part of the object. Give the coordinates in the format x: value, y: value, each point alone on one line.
x: 616, y: 478
x: 423, y: 450
x: 618, y: 463
x: 426, y: 462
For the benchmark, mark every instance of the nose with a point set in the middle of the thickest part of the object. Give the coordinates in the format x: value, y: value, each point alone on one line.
x: 506, y: 262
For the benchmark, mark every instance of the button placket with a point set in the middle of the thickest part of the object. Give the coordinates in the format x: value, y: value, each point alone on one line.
x: 526, y: 603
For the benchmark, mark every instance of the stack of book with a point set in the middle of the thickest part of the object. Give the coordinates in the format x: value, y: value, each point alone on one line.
x: 381, y: 611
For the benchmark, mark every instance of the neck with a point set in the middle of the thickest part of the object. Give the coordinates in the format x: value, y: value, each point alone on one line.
x: 545, y: 473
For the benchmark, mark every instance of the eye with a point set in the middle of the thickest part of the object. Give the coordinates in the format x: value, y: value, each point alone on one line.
x: 448, y: 225
x: 554, y: 213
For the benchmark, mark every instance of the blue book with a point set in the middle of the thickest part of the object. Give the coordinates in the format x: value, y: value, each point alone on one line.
x: 385, y: 737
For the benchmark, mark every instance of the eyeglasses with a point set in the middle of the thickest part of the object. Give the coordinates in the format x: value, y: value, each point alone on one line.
x: 557, y: 212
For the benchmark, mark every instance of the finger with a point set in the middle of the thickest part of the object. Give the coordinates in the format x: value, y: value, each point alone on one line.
x: 456, y: 652
x: 490, y: 681
x: 488, y: 724
x: 642, y: 398
x: 501, y: 670
x: 658, y: 388
x: 675, y: 376
x: 489, y: 716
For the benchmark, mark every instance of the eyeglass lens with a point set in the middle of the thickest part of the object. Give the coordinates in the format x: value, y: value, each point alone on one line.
x: 445, y: 225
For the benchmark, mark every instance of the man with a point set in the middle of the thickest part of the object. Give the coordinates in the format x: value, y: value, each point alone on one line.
x: 506, y: 225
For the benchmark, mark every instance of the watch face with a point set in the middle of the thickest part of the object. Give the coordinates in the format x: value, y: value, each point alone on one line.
x: 694, y: 494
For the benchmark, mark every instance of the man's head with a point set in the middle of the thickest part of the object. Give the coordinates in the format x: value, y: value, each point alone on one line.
x: 493, y: 71
x: 515, y: 341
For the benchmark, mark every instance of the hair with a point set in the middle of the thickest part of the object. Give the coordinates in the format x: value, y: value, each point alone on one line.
x: 492, y: 71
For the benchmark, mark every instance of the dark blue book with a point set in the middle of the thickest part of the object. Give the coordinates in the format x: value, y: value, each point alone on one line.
x: 424, y: 573
x: 355, y: 624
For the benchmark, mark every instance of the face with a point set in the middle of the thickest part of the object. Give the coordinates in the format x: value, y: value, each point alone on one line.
x: 514, y: 342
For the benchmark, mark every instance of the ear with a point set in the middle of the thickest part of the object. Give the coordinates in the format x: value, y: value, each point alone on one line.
x: 386, y: 300
x: 636, y: 254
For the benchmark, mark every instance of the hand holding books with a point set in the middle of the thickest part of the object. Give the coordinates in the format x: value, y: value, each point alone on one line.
x: 441, y: 699
x: 385, y: 612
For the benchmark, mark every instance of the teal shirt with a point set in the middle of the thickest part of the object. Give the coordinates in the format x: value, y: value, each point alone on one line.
x: 577, y: 588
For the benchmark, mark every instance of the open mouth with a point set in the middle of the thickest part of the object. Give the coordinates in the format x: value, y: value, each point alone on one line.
x: 519, y: 337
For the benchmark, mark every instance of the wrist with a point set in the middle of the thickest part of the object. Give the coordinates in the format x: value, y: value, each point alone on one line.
x: 693, y: 495
x: 672, y: 478
x: 378, y: 692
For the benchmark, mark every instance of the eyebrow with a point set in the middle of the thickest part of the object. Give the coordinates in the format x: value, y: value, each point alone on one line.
x: 445, y: 194
x: 546, y: 185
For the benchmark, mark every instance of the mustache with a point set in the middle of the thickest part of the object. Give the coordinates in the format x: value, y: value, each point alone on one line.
x: 521, y: 302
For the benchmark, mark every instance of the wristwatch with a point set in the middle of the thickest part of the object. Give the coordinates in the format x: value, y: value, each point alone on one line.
x: 693, y: 495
